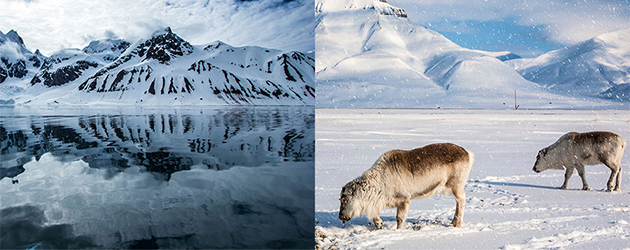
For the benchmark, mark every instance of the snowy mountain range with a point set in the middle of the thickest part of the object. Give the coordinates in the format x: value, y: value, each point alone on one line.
x: 599, y: 67
x: 163, y: 69
x: 368, y: 57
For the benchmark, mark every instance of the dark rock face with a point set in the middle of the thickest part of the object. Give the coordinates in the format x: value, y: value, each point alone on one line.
x: 289, y: 69
x: 62, y: 75
x: 36, y: 61
x: 15, y: 69
x: 3, y: 74
x: 18, y: 69
x: 400, y: 13
x: 163, y: 47
x: 390, y: 11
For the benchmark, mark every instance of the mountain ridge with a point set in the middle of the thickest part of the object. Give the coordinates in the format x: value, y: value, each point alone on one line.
x: 165, y: 69
x: 595, y: 67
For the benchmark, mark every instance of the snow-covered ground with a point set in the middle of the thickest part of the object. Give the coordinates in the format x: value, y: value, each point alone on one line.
x: 508, y: 206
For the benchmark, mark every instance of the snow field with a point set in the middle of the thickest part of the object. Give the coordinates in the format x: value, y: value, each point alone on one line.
x: 508, y: 206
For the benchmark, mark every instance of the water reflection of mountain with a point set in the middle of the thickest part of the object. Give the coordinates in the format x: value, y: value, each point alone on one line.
x: 162, y: 142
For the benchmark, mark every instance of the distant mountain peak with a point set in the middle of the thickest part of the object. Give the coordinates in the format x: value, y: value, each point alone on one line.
x: 103, y: 45
x: 614, y: 36
x: 166, y: 30
x: 382, y: 7
x: 163, y: 46
x: 13, y: 36
x: 215, y: 45
x: 16, y: 61
x: 596, y: 67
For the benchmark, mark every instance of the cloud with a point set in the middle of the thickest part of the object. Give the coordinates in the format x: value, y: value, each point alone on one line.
x: 53, y: 25
x: 563, y: 21
x: 11, y: 51
x: 110, y: 34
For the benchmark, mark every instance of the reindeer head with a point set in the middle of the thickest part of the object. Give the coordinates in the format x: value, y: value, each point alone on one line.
x: 350, y: 207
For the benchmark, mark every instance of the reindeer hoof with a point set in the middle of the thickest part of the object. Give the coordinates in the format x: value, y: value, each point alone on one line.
x: 457, y: 224
x: 586, y: 188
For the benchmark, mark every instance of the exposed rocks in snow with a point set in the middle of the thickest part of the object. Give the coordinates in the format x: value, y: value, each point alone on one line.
x: 164, y: 69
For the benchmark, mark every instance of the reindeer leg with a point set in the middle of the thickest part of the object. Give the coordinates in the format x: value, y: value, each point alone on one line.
x: 618, y: 183
x: 582, y: 173
x: 567, y: 175
x: 401, y: 213
x: 615, y: 175
x: 460, y: 198
x: 378, y: 223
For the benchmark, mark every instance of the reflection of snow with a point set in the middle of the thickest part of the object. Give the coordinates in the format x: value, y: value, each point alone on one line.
x: 263, y: 207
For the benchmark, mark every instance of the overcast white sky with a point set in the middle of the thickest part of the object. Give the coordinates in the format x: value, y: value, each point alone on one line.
x: 50, y: 25
x: 528, y: 27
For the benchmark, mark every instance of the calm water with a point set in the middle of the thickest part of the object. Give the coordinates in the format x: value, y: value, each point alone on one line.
x: 235, y: 177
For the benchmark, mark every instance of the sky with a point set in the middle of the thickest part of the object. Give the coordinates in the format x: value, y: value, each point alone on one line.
x: 52, y: 25
x: 525, y: 27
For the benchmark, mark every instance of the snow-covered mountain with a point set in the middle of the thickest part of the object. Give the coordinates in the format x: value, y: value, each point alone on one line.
x: 16, y: 62
x: 164, y: 69
x: 379, y: 6
x: 599, y: 67
x: 69, y: 64
x: 366, y: 58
